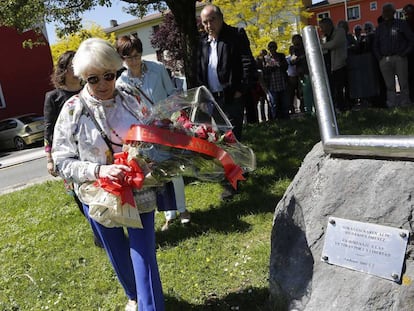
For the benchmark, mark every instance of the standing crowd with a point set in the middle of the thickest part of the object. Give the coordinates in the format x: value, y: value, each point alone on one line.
x: 372, y: 66
x: 88, y: 115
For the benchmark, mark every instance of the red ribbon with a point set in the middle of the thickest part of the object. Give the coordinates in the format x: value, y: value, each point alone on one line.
x: 132, y: 180
x: 155, y: 135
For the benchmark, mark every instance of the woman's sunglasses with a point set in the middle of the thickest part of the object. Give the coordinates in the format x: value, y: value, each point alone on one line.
x: 109, y: 76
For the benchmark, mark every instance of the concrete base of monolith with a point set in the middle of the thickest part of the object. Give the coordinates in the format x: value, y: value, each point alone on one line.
x: 366, y: 190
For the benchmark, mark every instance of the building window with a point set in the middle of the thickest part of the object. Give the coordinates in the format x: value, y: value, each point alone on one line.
x: 2, y: 101
x: 323, y: 15
x: 354, y: 13
x: 155, y: 28
x: 373, y: 6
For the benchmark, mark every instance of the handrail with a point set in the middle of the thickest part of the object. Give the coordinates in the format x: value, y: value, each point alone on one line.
x: 334, y: 143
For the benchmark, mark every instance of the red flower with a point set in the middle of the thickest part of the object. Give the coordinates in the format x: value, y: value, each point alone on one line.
x: 201, y: 132
x: 183, y: 117
x: 229, y: 137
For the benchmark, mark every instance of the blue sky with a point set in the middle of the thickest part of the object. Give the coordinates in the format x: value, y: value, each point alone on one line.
x: 100, y: 16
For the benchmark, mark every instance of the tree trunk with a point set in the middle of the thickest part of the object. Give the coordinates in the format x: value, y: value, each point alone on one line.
x: 184, y: 12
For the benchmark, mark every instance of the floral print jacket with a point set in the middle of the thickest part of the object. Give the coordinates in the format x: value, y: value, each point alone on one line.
x: 78, y: 146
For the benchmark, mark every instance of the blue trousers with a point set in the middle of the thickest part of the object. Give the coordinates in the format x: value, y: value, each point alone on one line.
x: 133, y: 258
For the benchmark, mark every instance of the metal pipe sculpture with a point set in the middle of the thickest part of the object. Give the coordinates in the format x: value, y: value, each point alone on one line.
x: 333, y: 142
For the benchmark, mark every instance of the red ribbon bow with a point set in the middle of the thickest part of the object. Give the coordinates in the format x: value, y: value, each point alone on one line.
x: 132, y: 180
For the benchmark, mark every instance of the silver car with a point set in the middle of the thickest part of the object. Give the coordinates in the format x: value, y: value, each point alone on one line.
x: 20, y: 131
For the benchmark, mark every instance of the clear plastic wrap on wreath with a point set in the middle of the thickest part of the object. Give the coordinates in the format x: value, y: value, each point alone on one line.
x: 189, y: 135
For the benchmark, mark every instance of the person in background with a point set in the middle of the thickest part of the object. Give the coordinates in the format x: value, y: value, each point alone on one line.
x: 367, y: 40
x: 409, y: 17
x: 293, y: 81
x: 394, y: 41
x: 276, y: 78
x: 260, y: 60
x: 66, y: 85
x: 334, y: 44
x: 364, y: 71
x: 352, y: 49
x: 261, y: 91
x: 81, y: 153
x: 225, y: 65
x: 350, y: 38
x: 357, y: 33
x: 153, y: 80
x: 306, y: 94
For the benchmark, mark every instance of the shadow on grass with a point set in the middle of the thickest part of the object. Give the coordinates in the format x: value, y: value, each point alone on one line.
x: 240, y: 299
x: 377, y: 122
x: 291, y: 140
x: 280, y: 147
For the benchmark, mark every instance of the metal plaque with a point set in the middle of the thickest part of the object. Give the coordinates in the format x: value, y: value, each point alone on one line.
x: 365, y: 247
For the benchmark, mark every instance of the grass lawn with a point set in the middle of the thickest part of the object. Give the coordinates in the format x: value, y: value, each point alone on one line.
x: 218, y: 262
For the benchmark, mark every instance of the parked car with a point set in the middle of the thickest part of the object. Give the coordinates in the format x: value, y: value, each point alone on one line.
x: 20, y: 131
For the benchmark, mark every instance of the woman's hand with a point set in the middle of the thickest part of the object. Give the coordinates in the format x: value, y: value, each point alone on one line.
x: 113, y: 171
x: 51, y: 168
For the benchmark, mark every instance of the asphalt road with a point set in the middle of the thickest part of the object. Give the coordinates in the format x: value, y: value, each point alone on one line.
x: 19, y: 169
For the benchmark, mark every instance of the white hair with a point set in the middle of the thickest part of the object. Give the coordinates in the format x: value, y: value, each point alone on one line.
x: 95, y: 53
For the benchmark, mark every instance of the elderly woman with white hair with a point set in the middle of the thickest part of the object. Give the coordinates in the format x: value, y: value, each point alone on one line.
x: 82, y: 153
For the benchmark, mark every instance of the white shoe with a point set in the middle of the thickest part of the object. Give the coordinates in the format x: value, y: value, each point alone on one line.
x: 185, y: 217
x: 131, y: 306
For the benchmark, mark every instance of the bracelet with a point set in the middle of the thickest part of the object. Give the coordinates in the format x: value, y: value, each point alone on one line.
x: 49, y: 160
x: 97, y: 169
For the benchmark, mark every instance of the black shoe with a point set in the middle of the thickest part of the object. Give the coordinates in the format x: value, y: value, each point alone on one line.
x: 228, y: 192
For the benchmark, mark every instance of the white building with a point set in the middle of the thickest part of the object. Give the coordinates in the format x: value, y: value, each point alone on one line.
x: 143, y: 28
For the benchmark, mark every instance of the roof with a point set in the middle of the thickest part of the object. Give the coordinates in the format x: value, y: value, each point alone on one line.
x: 137, y: 21
x: 320, y: 4
x: 146, y: 19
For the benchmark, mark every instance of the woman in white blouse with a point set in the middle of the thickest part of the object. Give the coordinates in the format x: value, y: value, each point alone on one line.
x: 82, y: 155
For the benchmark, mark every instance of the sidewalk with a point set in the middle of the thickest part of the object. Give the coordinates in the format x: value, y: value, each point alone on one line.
x: 20, y: 157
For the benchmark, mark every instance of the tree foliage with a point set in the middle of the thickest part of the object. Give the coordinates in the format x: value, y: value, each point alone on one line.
x: 168, y: 40
x: 72, y: 41
x: 24, y: 14
x: 265, y: 20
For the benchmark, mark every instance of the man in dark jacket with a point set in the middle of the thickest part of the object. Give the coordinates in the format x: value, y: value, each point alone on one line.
x: 394, y: 41
x: 225, y: 65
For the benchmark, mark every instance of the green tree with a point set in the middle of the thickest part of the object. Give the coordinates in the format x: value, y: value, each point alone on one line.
x: 72, y: 41
x: 265, y: 20
x: 23, y: 14
x: 167, y: 40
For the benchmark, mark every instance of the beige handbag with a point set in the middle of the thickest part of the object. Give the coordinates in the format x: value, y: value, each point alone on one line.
x: 106, y: 208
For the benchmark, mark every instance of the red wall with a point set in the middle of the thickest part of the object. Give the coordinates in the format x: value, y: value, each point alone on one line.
x: 24, y: 73
x: 337, y: 11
